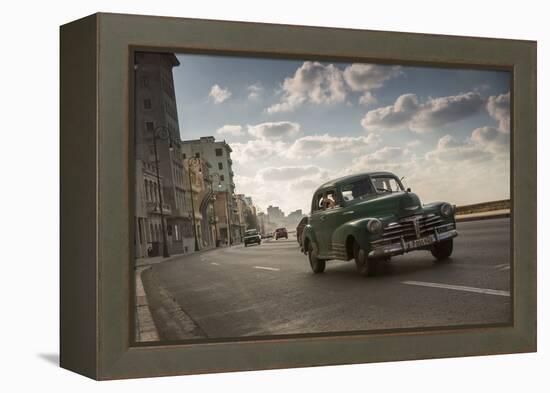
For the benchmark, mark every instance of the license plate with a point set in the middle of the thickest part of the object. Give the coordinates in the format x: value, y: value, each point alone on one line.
x: 425, y: 241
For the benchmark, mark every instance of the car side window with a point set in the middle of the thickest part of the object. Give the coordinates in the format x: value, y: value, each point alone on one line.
x: 330, y: 200
x: 318, y: 202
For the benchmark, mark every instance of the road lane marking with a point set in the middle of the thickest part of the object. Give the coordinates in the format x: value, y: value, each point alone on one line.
x: 458, y: 288
x: 266, y: 268
x: 214, y: 263
x: 502, y: 265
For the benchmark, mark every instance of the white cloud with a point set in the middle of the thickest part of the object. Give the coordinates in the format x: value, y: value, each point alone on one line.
x: 274, y: 130
x: 286, y: 173
x: 313, y: 83
x: 324, y: 145
x: 219, y: 94
x: 394, y: 116
x: 256, y: 149
x: 492, y: 138
x: 289, y: 187
x: 499, y: 109
x: 365, y: 77
x: 255, y: 91
x: 408, y: 113
x: 385, y: 155
x: 230, y: 129
x: 367, y: 99
x: 451, y: 149
x: 462, y: 171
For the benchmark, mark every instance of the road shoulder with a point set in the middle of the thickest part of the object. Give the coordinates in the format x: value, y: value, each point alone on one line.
x: 172, y: 322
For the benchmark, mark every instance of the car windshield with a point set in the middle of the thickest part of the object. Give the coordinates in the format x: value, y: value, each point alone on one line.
x: 357, y: 190
x: 251, y: 232
x: 386, y: 184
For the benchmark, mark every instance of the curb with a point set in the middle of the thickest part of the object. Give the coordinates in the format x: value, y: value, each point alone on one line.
x: 481, y: 218
x: 145, y: 328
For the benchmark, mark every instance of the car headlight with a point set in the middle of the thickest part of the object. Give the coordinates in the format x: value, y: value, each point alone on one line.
x: 446, y: 210
x: 374, y: 225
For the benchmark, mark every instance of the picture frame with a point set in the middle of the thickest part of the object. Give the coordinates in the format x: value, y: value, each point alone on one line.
x: 96, y: 270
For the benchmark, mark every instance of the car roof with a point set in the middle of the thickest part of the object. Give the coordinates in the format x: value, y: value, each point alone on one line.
x: 345, y: 179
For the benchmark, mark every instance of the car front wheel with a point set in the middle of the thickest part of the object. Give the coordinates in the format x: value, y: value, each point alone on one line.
x: 443, y: 250
x: 317, y: 265
x: 365, y: 266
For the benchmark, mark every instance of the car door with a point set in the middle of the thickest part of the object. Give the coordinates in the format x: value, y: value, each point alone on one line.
x: 329, y: 221
x: 316, y: 221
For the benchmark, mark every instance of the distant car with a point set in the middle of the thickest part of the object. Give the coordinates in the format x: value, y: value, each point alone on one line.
x: 280, y: 233
x: 300, y: 230
x: 371, y: 217
x: 252, y: 236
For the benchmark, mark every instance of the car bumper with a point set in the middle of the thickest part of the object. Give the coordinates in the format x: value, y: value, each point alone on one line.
x: 406, y: 246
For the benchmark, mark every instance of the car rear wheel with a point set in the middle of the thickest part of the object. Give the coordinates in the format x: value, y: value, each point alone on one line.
x: 317, y: 265
x: 443, y: 250
x: 365, y: 266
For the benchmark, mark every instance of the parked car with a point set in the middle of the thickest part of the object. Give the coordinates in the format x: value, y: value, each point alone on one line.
x: 300, y: 230
x: 280, y: 233
x: 371, y: 217
x: 252, y: 237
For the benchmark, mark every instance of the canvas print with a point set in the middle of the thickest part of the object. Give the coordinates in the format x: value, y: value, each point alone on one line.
x: 286, y: 197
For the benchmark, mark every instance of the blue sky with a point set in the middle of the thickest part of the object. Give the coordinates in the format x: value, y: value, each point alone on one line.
x: 295, y: 123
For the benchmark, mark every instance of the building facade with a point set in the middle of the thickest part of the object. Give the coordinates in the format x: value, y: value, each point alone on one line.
x: 158, y: 160
x: 218, y: 156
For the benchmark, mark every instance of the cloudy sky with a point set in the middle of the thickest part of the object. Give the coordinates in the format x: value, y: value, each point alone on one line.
x: 294, y: 124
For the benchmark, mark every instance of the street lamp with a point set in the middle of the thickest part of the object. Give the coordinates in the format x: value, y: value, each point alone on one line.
x: 163, y: 133
x: 211, y: 180
x: 193, y: 160
x: 239, y: 218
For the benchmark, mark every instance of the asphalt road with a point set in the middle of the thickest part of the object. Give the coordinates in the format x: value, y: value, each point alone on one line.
x: 270, y: 289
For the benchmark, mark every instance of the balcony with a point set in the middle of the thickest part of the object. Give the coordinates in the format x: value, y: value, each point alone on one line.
x: 154, y: 208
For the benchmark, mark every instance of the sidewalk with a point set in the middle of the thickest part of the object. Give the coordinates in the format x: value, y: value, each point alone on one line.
x: 144, y: 324
x: 504, y: 213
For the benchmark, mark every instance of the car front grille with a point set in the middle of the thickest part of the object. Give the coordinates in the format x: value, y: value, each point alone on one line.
x: 409, y: 228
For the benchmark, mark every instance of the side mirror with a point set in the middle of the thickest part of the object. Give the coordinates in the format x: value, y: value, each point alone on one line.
x: 408, y: 189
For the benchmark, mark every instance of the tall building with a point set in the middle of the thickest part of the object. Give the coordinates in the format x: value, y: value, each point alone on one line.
x: 218, y: 155
x: 157, y: 141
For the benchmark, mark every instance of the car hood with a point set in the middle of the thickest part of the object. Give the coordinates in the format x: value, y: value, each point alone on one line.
x: 400, y: 204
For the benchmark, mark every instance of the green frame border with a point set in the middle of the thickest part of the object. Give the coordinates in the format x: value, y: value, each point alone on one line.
x: 98, y: 321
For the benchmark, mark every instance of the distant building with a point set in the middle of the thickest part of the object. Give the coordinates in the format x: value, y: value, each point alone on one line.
x: 294, y: 218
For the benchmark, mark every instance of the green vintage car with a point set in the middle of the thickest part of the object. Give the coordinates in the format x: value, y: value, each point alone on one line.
x: 371, y: 217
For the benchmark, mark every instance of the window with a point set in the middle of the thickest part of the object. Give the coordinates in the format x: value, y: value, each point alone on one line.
x: 197, y: 155
x: 219, y: 152
x: 386, y: 184
x: 357, y: 190
x: 330, y: 201
x: 150, y: 125
x: 145, y: 81
x: 147, y: 103
x: 222, y: 177
x: 317, y: 202
x: 184, y: 156
x: 220, y: 165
